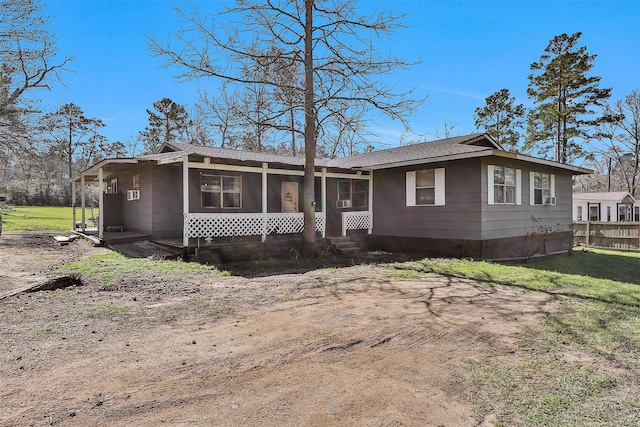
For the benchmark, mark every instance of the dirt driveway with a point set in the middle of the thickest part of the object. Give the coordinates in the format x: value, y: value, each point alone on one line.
x: 363, y: 345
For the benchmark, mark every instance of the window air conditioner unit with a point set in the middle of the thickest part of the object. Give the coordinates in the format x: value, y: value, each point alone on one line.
x: 343, y: 203
x: 548, y: 200
x: 133, y: 194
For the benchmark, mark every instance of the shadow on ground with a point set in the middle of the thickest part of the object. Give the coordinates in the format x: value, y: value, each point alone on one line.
x: 583, y: 262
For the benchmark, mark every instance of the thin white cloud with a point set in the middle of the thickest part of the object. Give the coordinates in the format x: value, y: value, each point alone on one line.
x: 456, y: 92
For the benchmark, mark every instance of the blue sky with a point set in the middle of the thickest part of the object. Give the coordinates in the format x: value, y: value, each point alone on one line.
x: 468, y: 49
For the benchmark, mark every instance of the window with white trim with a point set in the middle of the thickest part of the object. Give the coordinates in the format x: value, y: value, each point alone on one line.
x: 425, y: 187
x: 134, y: 193
x: 636, y: 213
x: 579, y: 213
x: 625, y: 212
x: 218, y: 191
x: 352, y: 193
x: 594, y: 212
x: 504, y: 185
x: 542, y: 188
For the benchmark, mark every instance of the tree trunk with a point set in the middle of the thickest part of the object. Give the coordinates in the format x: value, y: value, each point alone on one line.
x: 292, y: 123
x: 558, y: 145
x: 67, y: 201
x: 309, y: 209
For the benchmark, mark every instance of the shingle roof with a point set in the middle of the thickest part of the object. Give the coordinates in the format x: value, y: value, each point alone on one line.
x: 225, y: 153
x: 607, y: 196
x: 416, y: 153
x: 459, y: 147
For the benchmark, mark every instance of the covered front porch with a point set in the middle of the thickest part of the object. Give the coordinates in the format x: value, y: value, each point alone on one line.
x: 264, y: 200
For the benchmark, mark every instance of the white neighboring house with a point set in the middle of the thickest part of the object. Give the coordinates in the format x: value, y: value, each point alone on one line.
x: 606, y: 207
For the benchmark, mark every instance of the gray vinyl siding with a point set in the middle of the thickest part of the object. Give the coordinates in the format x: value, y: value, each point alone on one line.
x: 459, y: 218
x: 166, y: 213
x: 466, y: 214
x: 502, y: 220
x: 137, y: 213
x: 158, y: 212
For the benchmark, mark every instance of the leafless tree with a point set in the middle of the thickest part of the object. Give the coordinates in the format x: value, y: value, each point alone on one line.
x: 70, y: 134
x: 221, y: 112
x: 619, y: 134
x: 329, y: 41
x: 27, y: 56
x: 198, y: 128
x: 447, y: 130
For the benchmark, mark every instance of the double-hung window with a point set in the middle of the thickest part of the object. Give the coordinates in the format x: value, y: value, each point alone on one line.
x: 504, y: 185
x: 352, y: 193
x: 218, y: 191
x: 542, y: 188
x: 425, y: 187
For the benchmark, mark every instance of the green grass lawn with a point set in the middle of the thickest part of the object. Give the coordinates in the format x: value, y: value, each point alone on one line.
x: 46, y: 219
x: 579, y: 365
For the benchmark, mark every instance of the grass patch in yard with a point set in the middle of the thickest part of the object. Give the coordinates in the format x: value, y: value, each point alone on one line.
x: 48, y: 219
x: 577, y: 366
x: 595, y: 263
x: 579, y: 276
x: 113, y: 267
x: 103, y: 310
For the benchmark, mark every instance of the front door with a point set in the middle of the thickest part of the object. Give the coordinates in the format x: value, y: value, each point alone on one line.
x: 289, y: 197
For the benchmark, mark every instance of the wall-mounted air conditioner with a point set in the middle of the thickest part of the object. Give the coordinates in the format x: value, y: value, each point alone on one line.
x: 133, y: 194
x: 548, y: 200
x: 343, y: 204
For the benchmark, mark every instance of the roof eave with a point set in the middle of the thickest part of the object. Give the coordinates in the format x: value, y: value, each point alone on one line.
x: 575, y: 169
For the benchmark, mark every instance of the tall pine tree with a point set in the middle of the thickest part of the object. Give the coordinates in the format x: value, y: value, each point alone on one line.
x: 501, y: 118
x: 564, y: 97
x: 166, y: 124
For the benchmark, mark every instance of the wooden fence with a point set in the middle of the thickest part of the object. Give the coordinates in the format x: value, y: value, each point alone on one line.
x: 614, y: 235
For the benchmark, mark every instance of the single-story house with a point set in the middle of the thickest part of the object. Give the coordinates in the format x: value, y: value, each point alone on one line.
x: 463, y: 196
x: 612, y: 206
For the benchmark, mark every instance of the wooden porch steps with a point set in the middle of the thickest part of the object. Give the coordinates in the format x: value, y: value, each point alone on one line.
x: 344, y: 245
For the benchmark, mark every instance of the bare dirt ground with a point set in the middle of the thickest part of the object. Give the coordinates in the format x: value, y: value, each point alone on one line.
x: 362, y: 345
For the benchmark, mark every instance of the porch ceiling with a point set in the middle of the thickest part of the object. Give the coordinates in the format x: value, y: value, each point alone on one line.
x: 109, y: 167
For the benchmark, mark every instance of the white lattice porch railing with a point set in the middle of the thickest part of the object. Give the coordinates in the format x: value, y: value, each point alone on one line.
x: 207, y: 225
x: 357, y: 220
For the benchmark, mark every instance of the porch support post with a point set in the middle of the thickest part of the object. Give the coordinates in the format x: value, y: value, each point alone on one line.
x: 323, y: 195
x: 370, y: 202
x: 101, y: 209
x: 265, y: 200
x: 185, y: 200
x: 83, y: 203
x: 73, y: 203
